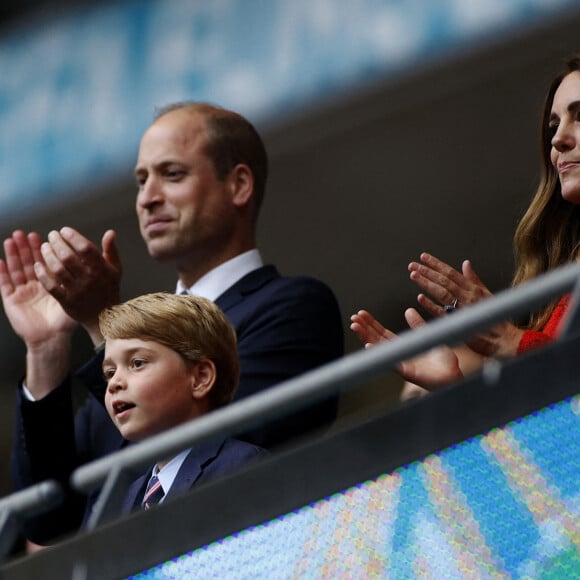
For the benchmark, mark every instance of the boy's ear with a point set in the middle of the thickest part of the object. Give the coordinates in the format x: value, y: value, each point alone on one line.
x: 203, y: 378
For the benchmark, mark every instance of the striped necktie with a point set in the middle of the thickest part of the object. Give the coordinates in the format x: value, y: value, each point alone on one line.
x: 153, y: 494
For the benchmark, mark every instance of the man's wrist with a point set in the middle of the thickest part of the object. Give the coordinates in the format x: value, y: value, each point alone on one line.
x: 47, y: 366
x: 26, y: 392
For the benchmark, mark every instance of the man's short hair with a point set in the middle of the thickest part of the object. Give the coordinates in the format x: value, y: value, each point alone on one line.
x: 232, y: 140
x: 192, y: 326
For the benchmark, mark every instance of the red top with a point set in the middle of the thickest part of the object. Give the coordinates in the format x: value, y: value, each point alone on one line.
x: 536, y: 338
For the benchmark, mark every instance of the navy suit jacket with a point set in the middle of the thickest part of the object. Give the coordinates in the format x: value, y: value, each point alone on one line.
x: 202, y: 464
x: 285, y: 326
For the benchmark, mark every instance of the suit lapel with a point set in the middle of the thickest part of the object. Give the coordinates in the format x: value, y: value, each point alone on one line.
x: 135, y: 493
x: 193, y: 467
x: 249, y: 284
x: 191, y: 470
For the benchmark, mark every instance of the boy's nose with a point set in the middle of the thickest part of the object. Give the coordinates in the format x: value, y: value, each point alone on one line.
x: 115, y: 384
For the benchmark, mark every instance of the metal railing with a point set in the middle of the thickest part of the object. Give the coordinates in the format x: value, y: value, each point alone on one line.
x: 116, y: 471
x: 29, y: 502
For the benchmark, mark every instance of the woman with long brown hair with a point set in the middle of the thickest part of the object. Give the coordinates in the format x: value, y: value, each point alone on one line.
x: 547, y: 236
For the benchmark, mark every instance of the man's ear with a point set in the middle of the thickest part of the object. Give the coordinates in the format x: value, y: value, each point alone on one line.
x: 241, y: 180
x: 203, y: 378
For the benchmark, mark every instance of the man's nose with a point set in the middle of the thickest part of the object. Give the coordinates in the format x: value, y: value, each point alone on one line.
x: 150, y: 192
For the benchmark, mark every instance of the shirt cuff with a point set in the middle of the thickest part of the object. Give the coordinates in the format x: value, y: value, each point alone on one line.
x: 27, y: 393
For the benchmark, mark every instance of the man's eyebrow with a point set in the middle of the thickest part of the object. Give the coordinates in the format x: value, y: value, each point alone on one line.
x: 159, y: 166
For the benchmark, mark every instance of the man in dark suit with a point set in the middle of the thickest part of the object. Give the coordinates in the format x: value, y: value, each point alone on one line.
x: 201, y: 177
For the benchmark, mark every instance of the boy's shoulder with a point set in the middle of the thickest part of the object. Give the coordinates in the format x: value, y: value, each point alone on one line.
x: 236, y: 448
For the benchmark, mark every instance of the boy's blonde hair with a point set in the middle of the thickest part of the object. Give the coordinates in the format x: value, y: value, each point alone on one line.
x: 192, y: 326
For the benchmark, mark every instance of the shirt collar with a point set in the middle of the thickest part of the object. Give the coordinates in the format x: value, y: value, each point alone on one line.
x: 218, y: 280
x: 168, y: 473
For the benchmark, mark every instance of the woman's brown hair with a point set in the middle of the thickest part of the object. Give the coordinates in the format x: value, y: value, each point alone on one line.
x: 548, y: 234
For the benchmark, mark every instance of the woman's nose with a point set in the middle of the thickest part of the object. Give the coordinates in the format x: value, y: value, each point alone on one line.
x: 563, y: 139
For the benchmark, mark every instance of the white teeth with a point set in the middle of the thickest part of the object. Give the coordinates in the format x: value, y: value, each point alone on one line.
x: 121, y: 406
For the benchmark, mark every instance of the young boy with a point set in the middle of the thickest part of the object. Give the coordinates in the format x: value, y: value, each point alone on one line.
x: 170, y: 359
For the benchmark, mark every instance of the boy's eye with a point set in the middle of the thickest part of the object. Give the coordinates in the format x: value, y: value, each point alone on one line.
x: 137, y: 363
x: 108, y: 374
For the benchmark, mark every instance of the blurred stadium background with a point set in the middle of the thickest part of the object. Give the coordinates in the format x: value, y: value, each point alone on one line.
x: 392, y: 127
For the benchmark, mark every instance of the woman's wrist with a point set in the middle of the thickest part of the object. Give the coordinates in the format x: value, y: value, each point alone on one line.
x: 510, y: 340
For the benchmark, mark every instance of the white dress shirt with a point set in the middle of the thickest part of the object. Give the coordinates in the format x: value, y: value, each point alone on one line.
x: 167, y: 474
x: 218, y: 280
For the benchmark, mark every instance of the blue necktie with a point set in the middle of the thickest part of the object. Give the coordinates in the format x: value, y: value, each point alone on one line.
x: 153, y: 494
